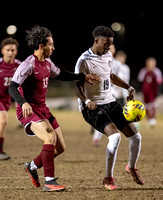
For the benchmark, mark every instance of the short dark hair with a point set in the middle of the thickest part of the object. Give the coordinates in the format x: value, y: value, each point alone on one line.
x: 102, y: 31
x: 9, y: 40
x: 37, y: 35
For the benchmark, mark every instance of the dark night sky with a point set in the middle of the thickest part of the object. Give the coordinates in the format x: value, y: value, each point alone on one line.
x: 72, y: 24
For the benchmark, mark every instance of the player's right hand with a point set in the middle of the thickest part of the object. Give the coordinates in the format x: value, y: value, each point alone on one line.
x: 131, y: 95
x: 27, y: 110
x: 92, y: 105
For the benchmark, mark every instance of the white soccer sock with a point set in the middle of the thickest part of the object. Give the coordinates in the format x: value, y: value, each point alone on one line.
x: 97, y: 135
x: 32, y: 165
x: 111, y: 153
x: 49, y: 178
x: 134, y: 149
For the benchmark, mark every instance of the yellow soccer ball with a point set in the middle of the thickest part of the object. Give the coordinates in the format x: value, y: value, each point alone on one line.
x: 134, y: 111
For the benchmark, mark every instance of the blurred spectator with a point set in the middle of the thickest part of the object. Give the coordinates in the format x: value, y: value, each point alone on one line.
x: 150, y: 77
x: 124, y: 73
x: 116, y: 63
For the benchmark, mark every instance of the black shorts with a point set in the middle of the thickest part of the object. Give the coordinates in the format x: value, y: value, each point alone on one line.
x: 106, y: 114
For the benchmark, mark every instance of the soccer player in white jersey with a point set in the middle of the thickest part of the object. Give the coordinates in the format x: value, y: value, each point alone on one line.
x: 101, y: 110
x: 121, y: 69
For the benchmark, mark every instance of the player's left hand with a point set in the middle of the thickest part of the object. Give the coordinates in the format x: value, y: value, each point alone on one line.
x: 92, y: 78
x: 27, y: 110
x: 131, y: 95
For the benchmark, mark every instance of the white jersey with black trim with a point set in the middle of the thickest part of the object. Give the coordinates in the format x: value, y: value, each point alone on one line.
x: 90, y: 63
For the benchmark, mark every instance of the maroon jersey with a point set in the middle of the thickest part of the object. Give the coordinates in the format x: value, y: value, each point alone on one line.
x: 7, y: 71
x: 33, y: 76
x: 150, y: 87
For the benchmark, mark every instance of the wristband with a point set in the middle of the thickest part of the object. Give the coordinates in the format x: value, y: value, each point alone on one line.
x: 130, y: 88
x: 87, y: 101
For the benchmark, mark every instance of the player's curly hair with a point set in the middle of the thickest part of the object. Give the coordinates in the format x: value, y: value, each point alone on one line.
x: 102, y: 31
x: 9, y: 40
x: 37, y: 35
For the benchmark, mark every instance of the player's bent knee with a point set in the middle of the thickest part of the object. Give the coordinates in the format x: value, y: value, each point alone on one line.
x: 3, y: 119
x: 49, y: 130
x: 3, y: 123
x: 50, y: 136
x: 61, y: 150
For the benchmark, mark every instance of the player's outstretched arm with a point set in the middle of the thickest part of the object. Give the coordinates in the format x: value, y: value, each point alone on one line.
x: 70, y: 76
x: 116, y: 80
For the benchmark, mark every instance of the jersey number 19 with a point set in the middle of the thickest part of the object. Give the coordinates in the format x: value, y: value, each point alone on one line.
x: 106, y: 84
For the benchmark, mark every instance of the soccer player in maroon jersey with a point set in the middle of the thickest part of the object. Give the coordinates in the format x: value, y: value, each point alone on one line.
x: 8, y: 65
x: 29, y: 87
x: 150, y: 77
